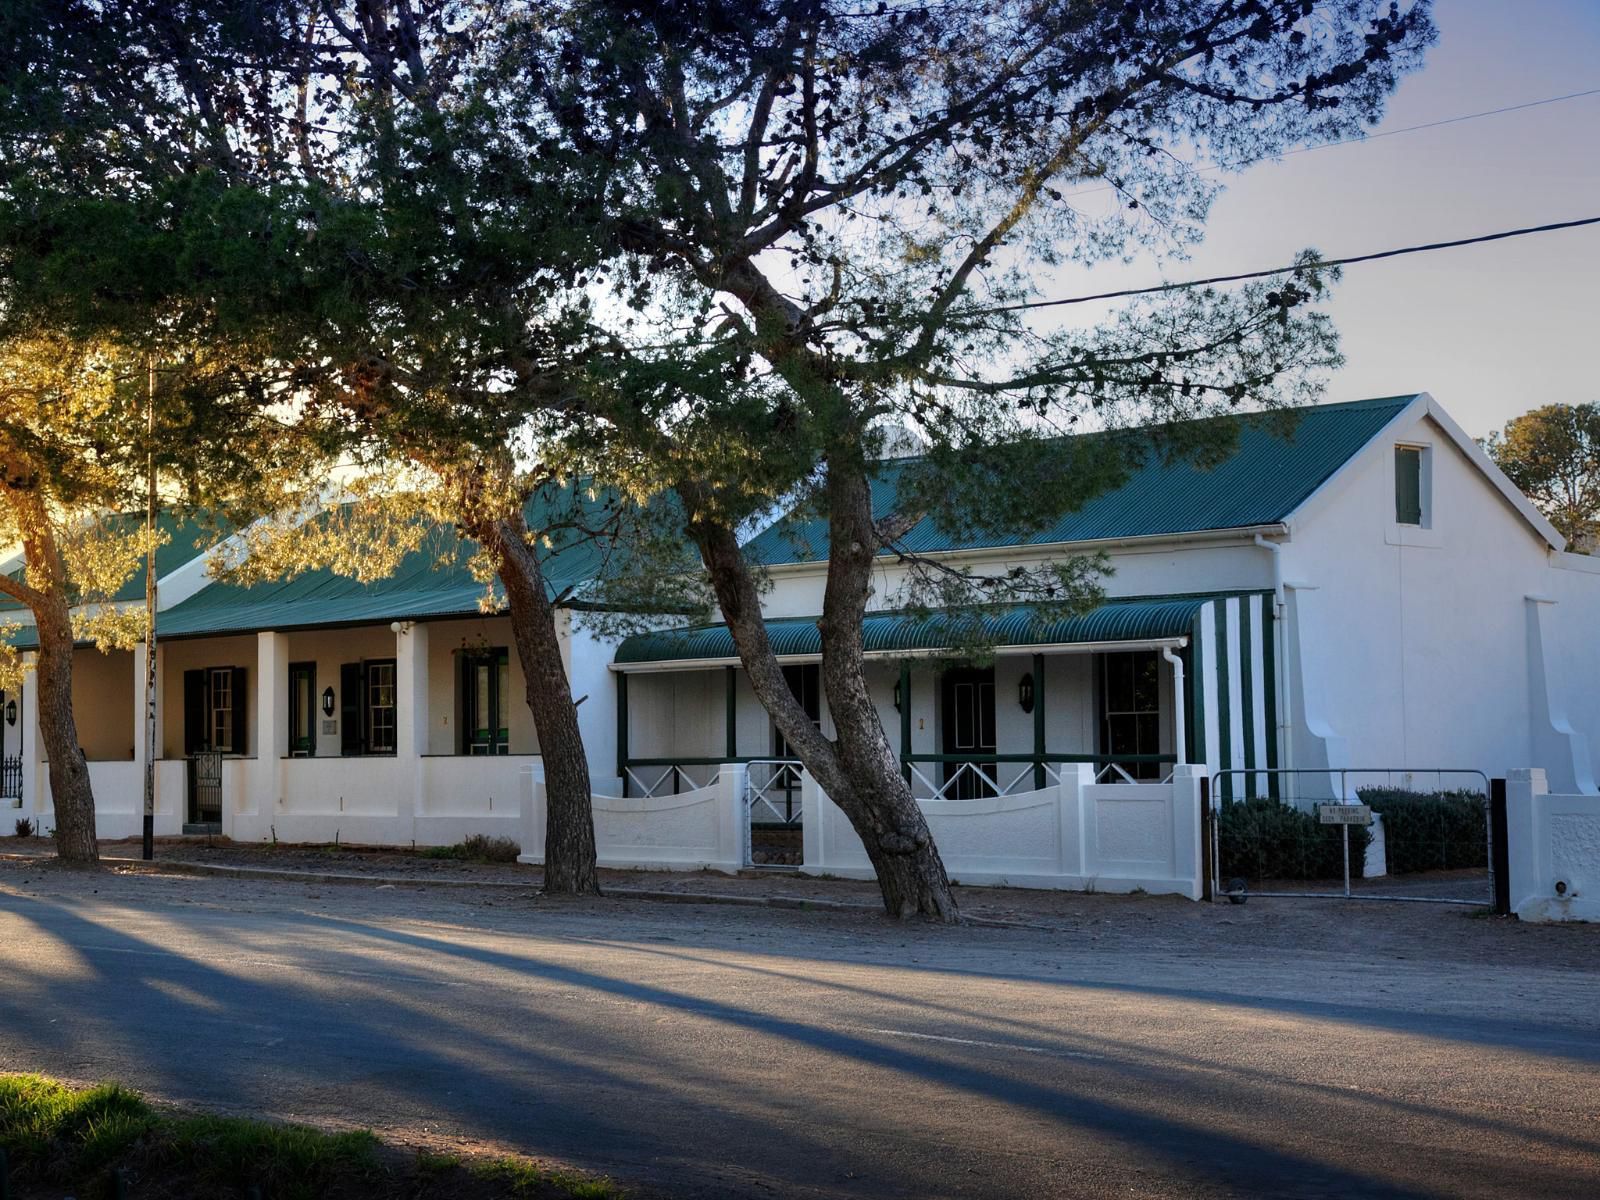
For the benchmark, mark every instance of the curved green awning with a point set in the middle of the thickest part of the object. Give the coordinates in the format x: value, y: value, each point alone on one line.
x: 1142, y: 619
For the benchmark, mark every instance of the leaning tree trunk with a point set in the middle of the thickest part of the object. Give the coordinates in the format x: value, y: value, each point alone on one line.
x: 569, y: 848
x: 858, y: 771
x: 69, y: 773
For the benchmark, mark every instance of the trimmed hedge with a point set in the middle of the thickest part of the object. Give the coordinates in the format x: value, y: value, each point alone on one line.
x: 1264, y: 838
x: 1431, y: 831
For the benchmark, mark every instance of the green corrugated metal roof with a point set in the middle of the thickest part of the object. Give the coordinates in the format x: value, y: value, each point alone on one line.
x: 189, y: 535
x: 1266, y: 478
x: 433, y: 581
x: 1132, y: 619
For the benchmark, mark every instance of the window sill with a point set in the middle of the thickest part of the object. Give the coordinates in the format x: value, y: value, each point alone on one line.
x: 1414, y: 535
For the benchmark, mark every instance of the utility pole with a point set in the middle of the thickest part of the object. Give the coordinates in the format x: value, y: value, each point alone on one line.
x: 150, y: 623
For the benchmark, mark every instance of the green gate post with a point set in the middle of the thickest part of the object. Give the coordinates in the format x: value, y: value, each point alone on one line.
x: 905, y: 720
x: 1038, y: 722
x: 731, y: 720
x: 622, y: 729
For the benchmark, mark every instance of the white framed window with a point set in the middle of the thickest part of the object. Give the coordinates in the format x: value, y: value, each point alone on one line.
x: 1413, y: 485
x: 222, y: 699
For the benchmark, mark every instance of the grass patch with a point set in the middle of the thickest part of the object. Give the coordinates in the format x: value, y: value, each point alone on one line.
x: 477, y: 848
x: 83, y: 1138
x: 526, y: 1179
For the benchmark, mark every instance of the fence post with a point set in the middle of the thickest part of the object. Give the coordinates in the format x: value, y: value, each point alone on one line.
x: 1188, y: 826
x: 1524, y: 787
x: 813, y: 818
x: 1208, y: 840
x: 1499, y: 851
x: 1073, y: 819
x: 733, y: 781
x: 533, y: 814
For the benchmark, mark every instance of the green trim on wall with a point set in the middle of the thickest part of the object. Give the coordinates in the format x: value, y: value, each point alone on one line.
x: 1195, y: 685
x: 1038, y: 719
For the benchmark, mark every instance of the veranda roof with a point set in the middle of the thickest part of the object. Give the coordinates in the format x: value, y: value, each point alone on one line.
x: 1141, y: 619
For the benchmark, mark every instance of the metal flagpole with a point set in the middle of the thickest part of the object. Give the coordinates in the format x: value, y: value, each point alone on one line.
x: 150, y: 624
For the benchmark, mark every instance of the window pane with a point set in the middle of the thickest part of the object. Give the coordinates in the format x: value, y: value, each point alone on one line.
x: 1408, y: 485
x: 502, y: 706
x: 480, y: 700
x: 1147, y: 682
x: 381, y: 707
x: 963, y: 703
x: 222, y: 709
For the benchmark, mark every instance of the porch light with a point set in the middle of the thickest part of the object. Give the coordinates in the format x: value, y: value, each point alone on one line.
x: 327, y: 702
x: 11, y: 712
x: 1025, y: 692
x: 897, y: 695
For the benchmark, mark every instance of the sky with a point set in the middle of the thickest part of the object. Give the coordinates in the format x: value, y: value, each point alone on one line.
x: 1491, y: 331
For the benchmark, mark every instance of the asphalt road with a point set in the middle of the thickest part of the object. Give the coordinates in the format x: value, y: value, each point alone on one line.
x: 699, y: 1051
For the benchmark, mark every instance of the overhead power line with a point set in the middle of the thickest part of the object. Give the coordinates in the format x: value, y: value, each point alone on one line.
x: 1324, y: 262
x: 1383, y: 133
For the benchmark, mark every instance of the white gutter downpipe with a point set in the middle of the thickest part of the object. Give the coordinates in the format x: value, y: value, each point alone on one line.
x: 1179, y: 738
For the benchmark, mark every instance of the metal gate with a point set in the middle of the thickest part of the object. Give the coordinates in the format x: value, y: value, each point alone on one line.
x: 773, y: 813
x: 1311, y: 833
x: 11, y: 778
x: 205, y: 788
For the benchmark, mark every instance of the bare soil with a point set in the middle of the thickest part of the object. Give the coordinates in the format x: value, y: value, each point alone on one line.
x: 397, y: 883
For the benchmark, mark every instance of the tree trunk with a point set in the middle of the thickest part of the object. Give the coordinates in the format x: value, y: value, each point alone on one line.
x: 69, y: 773
x: 859, y: 771
x: 879, y: 802
x: 569, y: 849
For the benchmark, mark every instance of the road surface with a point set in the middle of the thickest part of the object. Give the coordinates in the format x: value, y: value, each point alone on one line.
x: 698, y: 1051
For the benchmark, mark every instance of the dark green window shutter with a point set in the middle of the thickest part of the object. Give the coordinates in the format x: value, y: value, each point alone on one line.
x: 241, y: 712
x: 195, y: 712
x: 1408, y: 485
x: 351, y: 678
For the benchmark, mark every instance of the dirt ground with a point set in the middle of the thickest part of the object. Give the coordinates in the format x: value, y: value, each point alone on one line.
x: 384, y: 883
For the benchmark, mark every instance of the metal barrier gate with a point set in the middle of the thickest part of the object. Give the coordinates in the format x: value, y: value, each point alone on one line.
x: 11, y: 778
x: 1269, y: 819
x: 205, y: 788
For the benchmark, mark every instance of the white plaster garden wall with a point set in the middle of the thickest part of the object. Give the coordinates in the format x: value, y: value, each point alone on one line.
x: 702, y: 829
x: 1075, y: 836
x: 1553, y: 844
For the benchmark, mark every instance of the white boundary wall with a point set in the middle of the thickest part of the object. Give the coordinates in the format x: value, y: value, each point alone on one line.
x: 691, y: 831
x: 1552, y: 842
x: 1074, y: 836
x: 362, y: 801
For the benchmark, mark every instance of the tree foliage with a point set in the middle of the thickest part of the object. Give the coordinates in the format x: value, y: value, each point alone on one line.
x: 1553, y: 454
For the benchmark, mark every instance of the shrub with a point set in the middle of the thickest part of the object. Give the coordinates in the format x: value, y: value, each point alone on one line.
x: 1267, y: 839
x: 1431, y: 831
x: 478, y: 848
x: 24, y: 827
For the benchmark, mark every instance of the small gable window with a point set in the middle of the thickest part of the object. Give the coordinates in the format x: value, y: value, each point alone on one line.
x: 1408, y: 485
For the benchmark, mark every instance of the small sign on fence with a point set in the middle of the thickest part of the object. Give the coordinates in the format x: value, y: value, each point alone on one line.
x: 1344, y: 814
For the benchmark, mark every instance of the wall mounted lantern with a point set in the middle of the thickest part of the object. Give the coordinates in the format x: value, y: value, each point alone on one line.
x: 327, y: 702
x: 1025, y: 692
x: 897, y: 695
x: 11, y: 712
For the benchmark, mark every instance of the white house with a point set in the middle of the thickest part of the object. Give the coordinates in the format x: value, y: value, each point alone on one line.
x: 1368, y: 592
